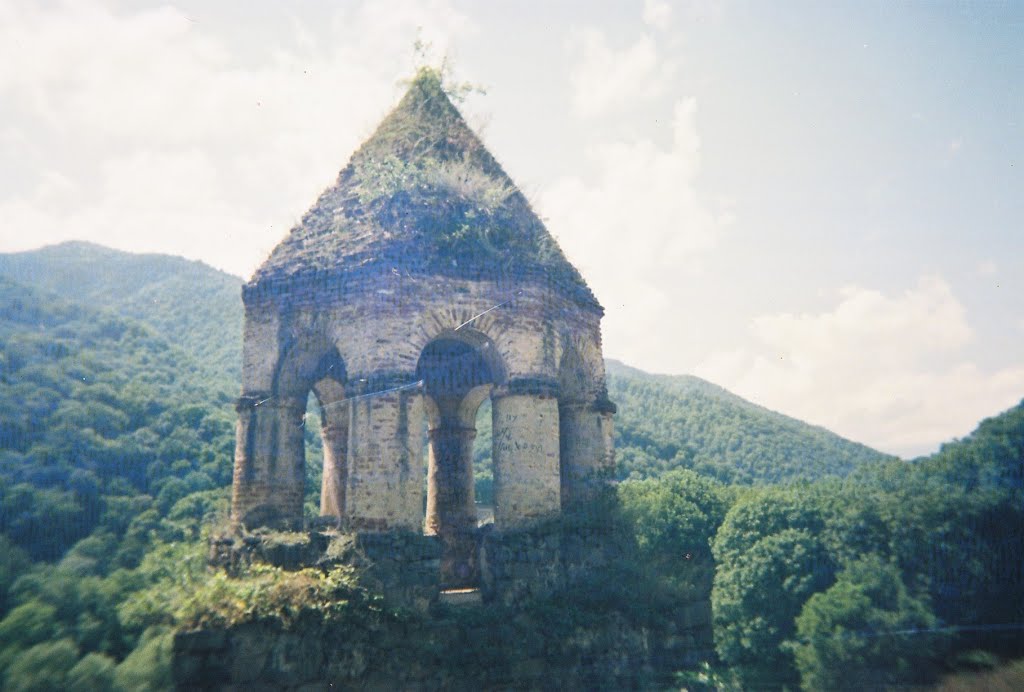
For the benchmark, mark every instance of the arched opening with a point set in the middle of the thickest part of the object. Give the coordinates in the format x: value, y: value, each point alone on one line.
x: 458, y: 370
x: 314, y: 429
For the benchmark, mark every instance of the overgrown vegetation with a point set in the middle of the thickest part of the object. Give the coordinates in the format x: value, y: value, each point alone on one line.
x: 115, y: 452
x: 424, y: 193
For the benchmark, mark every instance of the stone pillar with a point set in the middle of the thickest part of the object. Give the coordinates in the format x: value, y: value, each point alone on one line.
x: 243, y: 481
x: 587, y: 462
x: 269, y: 473
x: 526, y: 473
x: 450, y: 498
x: 451, y: 507
x: 335, y: 436
x: 385, y: 451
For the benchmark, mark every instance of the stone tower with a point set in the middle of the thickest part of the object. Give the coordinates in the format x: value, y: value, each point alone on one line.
x: 417, y: 286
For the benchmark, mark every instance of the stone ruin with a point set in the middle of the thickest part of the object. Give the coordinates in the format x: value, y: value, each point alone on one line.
x: 418, y: 286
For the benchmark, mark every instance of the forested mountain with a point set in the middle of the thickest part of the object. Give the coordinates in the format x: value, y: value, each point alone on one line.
x: 117, y: 379
x: 681, y: 421
x: 115, y: 445
x: 98, y: 414
x: 664, y: 422
x: 192, y: 305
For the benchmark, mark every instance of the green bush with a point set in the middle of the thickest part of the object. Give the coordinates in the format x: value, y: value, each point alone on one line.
x: 866, y: 631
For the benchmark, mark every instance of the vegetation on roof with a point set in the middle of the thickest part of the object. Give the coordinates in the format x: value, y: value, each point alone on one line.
x: 424, y: 193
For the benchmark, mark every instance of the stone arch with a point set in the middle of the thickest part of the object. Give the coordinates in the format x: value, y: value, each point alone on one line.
x: 458, y: 370
x: 270, y: 475
x: 306, y: 362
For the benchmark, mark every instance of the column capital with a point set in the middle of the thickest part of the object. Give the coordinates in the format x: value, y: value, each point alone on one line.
x: 530, y: 386
x: 601, y: 404
x: 250, y: 400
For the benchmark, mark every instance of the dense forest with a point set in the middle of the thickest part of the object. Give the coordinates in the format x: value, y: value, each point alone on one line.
x: 668, y: 422
x: 833, y: 566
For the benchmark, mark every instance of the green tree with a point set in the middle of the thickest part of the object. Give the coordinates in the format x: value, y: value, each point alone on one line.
x: 42, y: 668
x: 29, y: 624
x: 676, y: 515
x: 148, y: 667
x: 756, y: 598
x: 93, y: 673
x: 866, y: 631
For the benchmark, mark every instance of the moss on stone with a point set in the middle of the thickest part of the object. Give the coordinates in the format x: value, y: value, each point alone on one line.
x: 423, y: 195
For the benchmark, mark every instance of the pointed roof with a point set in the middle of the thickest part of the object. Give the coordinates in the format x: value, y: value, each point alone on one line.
x: 422, y: 196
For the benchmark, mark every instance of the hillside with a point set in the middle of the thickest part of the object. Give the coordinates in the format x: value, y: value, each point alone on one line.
x: 663, y: 422
x: 116, y: 447
x: 667, y: 422
x: 97, y: 412
x: 191, y: 304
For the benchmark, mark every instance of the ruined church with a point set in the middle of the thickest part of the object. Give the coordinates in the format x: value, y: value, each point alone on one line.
x: 418, y: 286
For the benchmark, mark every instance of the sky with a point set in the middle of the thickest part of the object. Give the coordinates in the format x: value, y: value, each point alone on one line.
x: 819, y: 206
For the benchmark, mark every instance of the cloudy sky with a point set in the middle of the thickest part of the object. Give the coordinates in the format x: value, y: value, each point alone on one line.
x: 819, y: 206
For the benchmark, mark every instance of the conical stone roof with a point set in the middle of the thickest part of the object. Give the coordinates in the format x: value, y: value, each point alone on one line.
x: 422, y: 196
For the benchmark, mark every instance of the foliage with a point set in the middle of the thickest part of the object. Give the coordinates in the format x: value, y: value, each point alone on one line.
x: 676, y: 515
x: 942, y: 546
x: 148, y: 667
x: 667, y: 422
x: 756, y: 598
x: 42, y: 668
x: 116, y: 447
x: 187, y: 303
x: 267, y: 592
x: 97, y: 413
x: 93, y: 673
x: 866, y: 631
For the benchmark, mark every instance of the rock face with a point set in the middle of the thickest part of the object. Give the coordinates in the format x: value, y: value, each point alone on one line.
x: 418, y: 286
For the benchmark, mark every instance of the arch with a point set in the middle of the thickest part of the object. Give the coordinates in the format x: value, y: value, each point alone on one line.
x: 478, y: 357
x: 270, y: 463
x: 459, y: 369
x: 306, y: 362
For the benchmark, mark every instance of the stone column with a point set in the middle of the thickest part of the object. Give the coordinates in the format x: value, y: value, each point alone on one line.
x: 587, y: 462
x: 385, y: 451
x: 335, y: 436
x: 451, y: 507
x: 526, y: 473
x: 244, y: 490
x: 269, y: 473
x: 450, y: 498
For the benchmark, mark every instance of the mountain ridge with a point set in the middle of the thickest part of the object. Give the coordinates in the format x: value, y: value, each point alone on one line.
x: 664, y: 421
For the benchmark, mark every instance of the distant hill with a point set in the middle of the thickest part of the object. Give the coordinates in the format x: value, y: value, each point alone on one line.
x: 100, y: 420
x: 191, y: 304
x: 672, y: 421
x: 664, y: 422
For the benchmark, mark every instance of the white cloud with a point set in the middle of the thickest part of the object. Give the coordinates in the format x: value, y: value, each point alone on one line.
x: 143, y: 130
x: 657, y: 14
x: 632, y: 230
x: 885, y: 370
x: 605, y: 79
x: 988, y: 267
